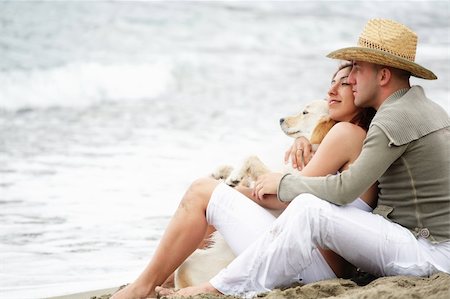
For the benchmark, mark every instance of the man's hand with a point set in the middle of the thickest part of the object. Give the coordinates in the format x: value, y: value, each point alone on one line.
x: 300, y: 153
x: 270, y: 200
x: 266, y: 184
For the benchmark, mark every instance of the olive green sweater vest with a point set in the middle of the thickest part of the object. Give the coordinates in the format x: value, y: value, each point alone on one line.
x: 407, y: 151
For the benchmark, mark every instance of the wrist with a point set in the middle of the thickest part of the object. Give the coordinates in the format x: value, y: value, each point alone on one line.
x: 279, y: 191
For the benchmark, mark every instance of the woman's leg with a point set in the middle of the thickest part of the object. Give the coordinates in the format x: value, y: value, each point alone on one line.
x: 239, y: 220
x: 183, y: 235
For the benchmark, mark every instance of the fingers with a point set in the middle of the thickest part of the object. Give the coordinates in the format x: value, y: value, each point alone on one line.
x: 261, y: 192
x: 295, y: 161
x: 301, y: 153
x: 299, y: 157
x: 255, y: 189
x: 297, y: 154
x: 266, y: 184
x: 287, y: 154
x: 292, y: 154
x: 258, y: 191
x: 307, y: 153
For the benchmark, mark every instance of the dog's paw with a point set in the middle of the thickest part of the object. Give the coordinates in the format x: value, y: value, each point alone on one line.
x: 234, y: 179
x: 232, y: 182
x: 222, y: 172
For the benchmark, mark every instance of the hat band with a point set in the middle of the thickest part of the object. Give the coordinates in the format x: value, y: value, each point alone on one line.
x: 372, y: 45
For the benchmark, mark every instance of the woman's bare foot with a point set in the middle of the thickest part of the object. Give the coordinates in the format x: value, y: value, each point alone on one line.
x: 134, y: 291
x: 205, y: 288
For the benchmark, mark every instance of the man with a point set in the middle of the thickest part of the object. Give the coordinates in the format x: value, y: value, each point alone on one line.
x: 406, y: 150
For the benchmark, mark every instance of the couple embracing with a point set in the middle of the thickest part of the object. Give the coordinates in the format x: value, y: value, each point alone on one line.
x: 376, y: 197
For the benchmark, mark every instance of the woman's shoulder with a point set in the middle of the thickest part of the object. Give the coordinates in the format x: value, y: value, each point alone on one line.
x: 348, y: 130
x: 340, y: 146
x: 345, y: 135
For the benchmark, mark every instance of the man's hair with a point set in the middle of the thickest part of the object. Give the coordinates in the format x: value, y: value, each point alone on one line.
x: 402, y: 74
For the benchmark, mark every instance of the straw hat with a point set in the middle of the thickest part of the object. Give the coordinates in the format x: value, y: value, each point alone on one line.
x: 388, y: 43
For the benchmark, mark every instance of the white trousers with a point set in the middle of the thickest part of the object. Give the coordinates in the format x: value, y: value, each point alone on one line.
x: 241, y: 222
x: 287, y: 250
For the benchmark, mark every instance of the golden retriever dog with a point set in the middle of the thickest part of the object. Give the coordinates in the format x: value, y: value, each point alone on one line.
x: 205, y: 263
x: 303, y: 123
x: 313, y: 123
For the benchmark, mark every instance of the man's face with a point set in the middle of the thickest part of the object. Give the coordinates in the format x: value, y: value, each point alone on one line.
x: 363, y: 78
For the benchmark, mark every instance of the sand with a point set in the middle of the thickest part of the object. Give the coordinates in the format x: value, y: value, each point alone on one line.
x: 435, y: 287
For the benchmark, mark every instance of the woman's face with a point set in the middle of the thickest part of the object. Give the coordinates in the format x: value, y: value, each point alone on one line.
x: 340, y: 97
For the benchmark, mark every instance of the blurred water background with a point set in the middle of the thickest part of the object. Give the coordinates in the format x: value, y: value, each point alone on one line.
x: 108, y: 110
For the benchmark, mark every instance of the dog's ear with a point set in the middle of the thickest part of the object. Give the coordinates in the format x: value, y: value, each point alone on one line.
x: 323, y: 126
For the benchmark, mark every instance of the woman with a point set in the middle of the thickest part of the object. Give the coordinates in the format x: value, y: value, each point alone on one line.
x: 209, y: 202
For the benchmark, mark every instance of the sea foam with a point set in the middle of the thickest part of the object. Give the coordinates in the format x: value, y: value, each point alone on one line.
x: 82, y: 84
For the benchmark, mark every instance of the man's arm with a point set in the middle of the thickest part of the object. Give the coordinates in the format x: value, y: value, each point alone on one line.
x: 375, y: 158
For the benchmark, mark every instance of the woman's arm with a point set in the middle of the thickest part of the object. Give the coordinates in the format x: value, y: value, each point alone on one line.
x: 339, y: 148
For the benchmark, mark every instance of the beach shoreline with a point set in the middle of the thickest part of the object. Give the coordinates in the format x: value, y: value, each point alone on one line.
x: 436, y: 286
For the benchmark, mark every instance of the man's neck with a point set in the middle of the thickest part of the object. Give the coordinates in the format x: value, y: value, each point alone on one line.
x: 391, y: 90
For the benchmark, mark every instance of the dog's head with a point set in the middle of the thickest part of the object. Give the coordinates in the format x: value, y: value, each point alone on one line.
x: 304, y: 123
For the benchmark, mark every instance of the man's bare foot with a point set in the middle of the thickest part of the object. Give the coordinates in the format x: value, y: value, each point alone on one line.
x: 134, y: 291
x: 205, y: 288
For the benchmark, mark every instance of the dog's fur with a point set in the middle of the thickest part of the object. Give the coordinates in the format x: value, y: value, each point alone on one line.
x: 312, y: 122
x: 205, y: 263
x: 303, y: 123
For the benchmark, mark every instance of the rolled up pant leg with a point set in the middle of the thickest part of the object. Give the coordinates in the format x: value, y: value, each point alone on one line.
x: 283, y: 254
x: 238, y: 219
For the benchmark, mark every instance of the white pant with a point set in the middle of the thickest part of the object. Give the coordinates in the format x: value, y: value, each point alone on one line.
x: 241, y: 222
x: 287, y: 251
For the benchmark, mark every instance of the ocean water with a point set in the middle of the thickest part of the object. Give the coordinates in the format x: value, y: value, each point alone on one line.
x: 109, y: 110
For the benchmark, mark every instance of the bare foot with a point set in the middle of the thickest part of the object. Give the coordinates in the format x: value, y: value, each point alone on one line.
x: 133, y: 291
x: 205, y: 288
x: 164, y: 292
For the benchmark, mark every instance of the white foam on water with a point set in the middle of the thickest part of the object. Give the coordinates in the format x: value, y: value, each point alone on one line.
x: 82, y: 84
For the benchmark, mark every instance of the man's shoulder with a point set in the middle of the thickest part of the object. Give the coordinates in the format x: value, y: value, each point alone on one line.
x: 410, y: 117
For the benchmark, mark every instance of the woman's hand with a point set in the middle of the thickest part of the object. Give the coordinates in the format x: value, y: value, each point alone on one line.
x: 300, y: 153
x: 266, y: 184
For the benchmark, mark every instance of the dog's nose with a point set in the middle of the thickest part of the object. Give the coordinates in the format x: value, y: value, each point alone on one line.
x: 281, y: 120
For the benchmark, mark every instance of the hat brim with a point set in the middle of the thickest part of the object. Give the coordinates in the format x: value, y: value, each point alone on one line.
x: 382, y: 58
